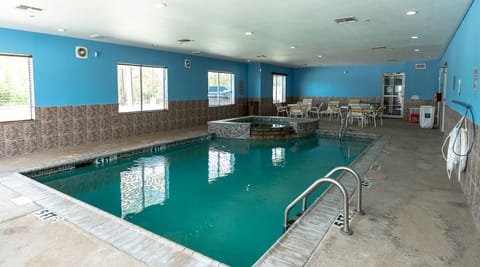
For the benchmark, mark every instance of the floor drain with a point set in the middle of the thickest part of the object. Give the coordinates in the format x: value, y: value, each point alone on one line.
x: 367, y: 182
x: 340, y: 220
x: 47, y: 216
x: 375, y: 167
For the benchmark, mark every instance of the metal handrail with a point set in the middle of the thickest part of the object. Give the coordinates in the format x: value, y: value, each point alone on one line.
x: 344, y: 123
x: 346, y: 230
x: 358, y: 210
x: 314, y: 186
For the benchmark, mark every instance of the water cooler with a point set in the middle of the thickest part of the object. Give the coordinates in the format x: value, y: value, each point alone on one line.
x: 427, y: 116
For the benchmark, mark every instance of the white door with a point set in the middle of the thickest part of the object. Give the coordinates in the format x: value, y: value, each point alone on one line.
x: 393, y: 91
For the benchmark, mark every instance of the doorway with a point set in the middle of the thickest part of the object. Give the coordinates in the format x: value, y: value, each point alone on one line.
x: 393, y: 91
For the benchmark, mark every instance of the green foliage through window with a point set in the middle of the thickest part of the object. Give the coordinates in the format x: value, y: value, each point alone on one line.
x: 141, y: 88
x: 16, y: 88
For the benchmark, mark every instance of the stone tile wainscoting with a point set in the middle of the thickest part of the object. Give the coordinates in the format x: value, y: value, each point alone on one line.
x: 414, y: 103
x: 470, y: 179
x: 64, y: 126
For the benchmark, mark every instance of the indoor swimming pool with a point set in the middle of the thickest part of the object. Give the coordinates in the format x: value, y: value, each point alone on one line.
x: 223, y: 198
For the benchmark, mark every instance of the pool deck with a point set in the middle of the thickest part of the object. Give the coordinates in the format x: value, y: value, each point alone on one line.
x: 415, y: 215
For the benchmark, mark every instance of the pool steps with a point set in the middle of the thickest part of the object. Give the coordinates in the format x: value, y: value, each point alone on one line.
x: 295, y: 246
x: 315, y: 185
x: 262, y: 133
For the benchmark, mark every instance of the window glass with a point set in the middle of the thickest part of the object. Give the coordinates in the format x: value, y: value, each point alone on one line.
x: 16, y: 88
x: 141, y: 88
x: 221, y: 88
x: 279, y: 88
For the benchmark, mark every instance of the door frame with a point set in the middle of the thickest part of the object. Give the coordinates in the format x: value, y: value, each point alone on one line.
x: 401, y: 96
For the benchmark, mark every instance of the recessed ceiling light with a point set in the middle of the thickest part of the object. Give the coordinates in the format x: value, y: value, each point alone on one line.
x: 61, y: 30
x: 414, y: 37
x: 411, y: 12
x: 293, y: 47
x: 196, y: 52
x: 416, y: 50
x: 160, y: 5
x: 319, y: 56
x: 249, y: 33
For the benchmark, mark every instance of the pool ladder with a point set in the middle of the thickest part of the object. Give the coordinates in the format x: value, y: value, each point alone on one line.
x: 304, y: 196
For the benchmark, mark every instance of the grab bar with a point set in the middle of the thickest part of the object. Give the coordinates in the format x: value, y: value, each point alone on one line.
x: 346, y: 230
x: 304, y: 196
x: 358, y: 210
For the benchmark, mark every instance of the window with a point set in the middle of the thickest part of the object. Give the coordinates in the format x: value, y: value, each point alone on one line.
x: 16, y: 88
x: 142, y: 88
x: 279, y: 88
x: 220, y: 88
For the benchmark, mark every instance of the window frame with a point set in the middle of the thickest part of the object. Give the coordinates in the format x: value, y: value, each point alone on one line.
x: 141, y: 85
x: 275, y: 91
x: 29, y: 108
x: 232, y: 88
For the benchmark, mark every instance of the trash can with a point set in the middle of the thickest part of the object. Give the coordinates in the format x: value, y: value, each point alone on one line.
x: 427, y: 116
x: 414, y: 115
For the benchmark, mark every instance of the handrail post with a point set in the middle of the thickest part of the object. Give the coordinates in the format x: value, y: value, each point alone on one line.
x: 346, y: 229
x: 358, y: 210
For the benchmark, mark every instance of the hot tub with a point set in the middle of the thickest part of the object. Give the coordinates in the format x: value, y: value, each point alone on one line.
x: 263, y: 127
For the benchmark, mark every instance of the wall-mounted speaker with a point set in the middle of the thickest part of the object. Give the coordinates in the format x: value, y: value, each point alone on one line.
x: 81, y: 52
x: 188, y: 63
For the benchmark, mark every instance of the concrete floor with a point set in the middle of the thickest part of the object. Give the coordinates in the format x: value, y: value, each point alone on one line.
x: 415, y: 216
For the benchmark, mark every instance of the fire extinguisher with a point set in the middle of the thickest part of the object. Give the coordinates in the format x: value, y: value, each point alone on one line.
x: 437, y: 97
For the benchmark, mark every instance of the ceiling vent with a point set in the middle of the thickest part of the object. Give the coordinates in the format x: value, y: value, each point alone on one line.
x: 345, y: 20
x: 29, y: 8
x: 378, y: 48
x: 420, y: 66
x: 184, y: 41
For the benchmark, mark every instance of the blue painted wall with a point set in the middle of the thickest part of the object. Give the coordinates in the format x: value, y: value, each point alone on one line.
x: 61, y: 79
x: 254, y: 80
x: 266, y: 79
x: 364, y: 80
x: 462, y: 55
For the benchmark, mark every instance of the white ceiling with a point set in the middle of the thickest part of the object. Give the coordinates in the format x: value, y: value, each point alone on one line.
x: 217, y: 27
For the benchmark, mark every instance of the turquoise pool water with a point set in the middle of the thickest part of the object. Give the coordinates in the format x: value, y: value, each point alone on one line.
x: 223, y: 198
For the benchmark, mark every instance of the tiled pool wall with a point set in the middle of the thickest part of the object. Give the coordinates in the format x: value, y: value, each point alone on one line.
x: 64, y: 126
x: 240, y: 127
x: 470, y: 179
x: 105, y: 158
